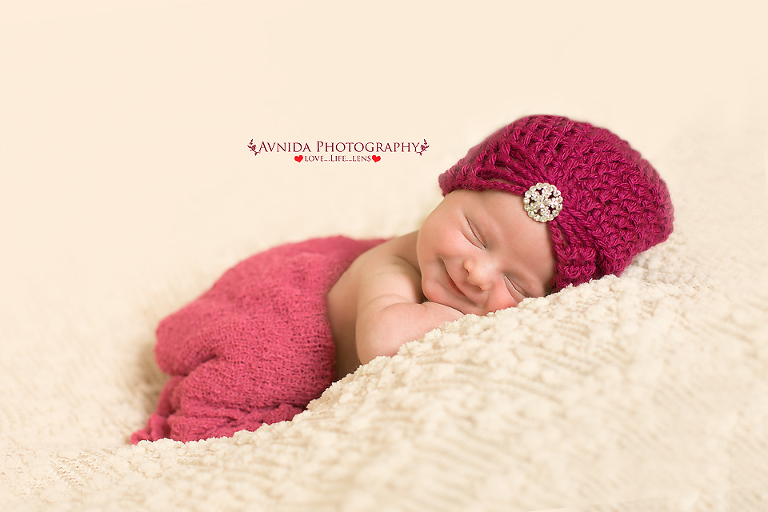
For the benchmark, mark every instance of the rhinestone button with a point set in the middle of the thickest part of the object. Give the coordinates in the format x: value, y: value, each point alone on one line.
x: 543, y: 202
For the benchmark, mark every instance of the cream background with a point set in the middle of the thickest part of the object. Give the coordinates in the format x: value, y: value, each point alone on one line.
x: 126, y: 184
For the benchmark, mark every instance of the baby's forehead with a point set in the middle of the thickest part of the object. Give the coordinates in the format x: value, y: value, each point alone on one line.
x: 482, y: 198
x: 489, y: 205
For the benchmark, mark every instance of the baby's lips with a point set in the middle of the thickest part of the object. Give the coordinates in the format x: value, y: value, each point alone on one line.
x: 452, y: 284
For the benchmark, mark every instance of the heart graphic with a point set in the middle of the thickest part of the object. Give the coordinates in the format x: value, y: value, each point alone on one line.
x: 299, y: 158
x: 376, y: 158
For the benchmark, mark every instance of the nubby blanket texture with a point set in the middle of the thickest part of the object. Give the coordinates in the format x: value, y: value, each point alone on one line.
x: 256, y: 348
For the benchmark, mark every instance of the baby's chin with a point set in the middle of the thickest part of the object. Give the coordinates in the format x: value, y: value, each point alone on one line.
x: 441, y: 297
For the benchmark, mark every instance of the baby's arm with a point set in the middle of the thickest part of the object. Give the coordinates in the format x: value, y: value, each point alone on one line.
x: 390, y: 308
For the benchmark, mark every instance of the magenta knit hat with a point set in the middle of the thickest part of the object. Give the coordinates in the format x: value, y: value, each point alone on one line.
x: 607, y: 205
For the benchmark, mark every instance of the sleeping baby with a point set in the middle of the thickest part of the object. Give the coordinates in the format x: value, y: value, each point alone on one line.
x: 541, y: 204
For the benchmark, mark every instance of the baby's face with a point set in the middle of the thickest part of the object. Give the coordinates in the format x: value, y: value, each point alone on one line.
x: 479, y: 252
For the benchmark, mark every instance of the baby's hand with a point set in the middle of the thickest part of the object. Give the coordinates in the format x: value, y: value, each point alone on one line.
x: 447, y: 313
x: 382, y: 330
x: 391, y: 307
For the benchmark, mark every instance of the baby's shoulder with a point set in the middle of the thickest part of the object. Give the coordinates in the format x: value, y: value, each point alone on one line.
x: 388, y: 266
x: 396, y: 253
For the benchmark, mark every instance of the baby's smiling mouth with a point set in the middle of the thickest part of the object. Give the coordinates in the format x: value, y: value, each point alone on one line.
x: 453, y: 286
x: 451, y: 282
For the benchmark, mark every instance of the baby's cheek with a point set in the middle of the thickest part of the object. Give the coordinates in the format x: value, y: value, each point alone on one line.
x: 500, y: 301
x: 430, y: 289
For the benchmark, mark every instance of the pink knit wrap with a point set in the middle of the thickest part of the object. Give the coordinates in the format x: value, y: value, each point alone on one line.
x: 256, y: 348
x: 615, y: 205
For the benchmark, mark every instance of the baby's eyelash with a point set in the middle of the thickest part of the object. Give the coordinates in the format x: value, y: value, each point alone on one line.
x: 515, y: 287
x: 475, y: 233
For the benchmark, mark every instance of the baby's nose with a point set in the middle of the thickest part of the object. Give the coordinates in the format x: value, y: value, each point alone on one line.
x: 479, y: 273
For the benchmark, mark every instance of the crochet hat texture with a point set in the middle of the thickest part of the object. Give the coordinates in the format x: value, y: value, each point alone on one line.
x: 602, y: 201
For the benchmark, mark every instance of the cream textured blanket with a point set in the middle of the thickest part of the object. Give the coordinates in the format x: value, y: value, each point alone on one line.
x: 127, y: 188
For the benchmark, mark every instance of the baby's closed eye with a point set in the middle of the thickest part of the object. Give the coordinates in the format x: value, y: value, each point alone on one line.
x: 475, y: 236
x: 514, y: 289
